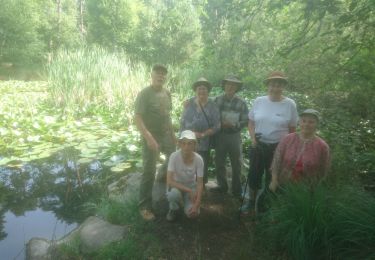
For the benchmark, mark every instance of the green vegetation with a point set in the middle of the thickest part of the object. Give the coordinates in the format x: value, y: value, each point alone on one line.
x: 92, y: 57
x: 324, y: 222
x: 133, y: 247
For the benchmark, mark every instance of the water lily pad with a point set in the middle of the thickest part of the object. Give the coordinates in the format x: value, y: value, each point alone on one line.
x: 121, y: 167
x: 85, y: 160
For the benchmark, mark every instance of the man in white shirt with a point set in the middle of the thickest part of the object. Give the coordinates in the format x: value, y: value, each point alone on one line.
x: 185, y: 177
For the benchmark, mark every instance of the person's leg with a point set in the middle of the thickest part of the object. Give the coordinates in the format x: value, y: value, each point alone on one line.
x: 255, y: 175
x: 167, y: 147
x: 235, y: 156
x: 205, y: 157
x: 188, y: 205
x: 174, y: 197
x: 268, y: 157
x: 268, y: 153
x: 220, y: 158
x: 147, y: 180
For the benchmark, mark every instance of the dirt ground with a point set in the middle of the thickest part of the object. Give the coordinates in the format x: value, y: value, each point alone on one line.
x: 218, y: 233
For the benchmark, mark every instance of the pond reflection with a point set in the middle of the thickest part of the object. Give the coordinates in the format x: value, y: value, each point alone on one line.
x: 45, y: 199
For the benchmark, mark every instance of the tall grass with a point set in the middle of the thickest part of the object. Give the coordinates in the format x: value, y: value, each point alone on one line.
x: 95, y: 77
x: 321, y: 222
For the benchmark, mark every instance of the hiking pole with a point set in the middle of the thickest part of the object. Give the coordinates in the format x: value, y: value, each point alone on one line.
x: 257, y: 137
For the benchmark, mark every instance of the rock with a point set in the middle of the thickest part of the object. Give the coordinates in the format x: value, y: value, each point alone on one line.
x: 96, y: 233
x: 126, y: 188
x: 93, y: 234
x: 38, y: 249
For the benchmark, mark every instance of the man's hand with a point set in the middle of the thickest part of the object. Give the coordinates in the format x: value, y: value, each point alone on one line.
x: 193, y: 211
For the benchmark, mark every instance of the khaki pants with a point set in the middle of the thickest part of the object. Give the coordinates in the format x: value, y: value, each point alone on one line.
x: 229, y: 145
x: 166, y: 146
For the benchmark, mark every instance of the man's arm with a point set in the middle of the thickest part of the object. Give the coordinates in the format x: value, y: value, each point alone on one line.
x: 151, y: 143
x: 198, y: 198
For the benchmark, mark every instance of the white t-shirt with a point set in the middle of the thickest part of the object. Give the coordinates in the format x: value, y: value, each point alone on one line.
x: 185, y: 174
x: 273, y: 119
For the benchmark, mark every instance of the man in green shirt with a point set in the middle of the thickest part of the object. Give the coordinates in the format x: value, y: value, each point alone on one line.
x: 152, y: 118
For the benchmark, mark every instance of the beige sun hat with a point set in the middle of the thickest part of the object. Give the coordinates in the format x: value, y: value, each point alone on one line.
x: 233, y: 79
x: 202, y: 81
x: 276, y: 75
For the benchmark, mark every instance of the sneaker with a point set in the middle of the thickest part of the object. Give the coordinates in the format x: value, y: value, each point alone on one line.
x: 147, y: 214
x: 171, y: 215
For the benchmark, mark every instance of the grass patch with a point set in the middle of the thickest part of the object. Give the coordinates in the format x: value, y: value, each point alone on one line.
x: 321, y: 222
x: 141, y: 243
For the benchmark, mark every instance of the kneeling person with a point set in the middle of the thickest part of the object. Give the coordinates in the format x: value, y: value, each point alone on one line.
x: 185, y: 177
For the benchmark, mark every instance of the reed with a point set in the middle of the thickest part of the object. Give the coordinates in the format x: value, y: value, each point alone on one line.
x: 94, y: 77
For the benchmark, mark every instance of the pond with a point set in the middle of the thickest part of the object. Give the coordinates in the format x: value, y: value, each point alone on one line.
x: 45, y: 199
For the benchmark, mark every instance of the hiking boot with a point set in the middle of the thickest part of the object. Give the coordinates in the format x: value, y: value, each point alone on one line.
x: 171, y: 215
x: 218, y: 189
x: 147, y: 214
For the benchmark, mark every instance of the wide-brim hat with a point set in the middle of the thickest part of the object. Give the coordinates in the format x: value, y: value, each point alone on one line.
x: 232, y: 79
x: 202, y: 81
x: 311, y: 112
x: 187, y: 134
x: 160, y: 67
x: 276, y: 75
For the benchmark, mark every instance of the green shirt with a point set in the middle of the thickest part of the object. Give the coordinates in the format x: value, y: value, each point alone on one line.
x: 154, y: 107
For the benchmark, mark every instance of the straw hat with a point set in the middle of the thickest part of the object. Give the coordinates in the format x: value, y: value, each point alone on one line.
x: 232, y: 79
x: 276, y: 75
x: 202, y: 81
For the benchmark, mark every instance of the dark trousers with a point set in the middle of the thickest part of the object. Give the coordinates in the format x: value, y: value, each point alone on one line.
x: 260, y: 163
x: 229, y: 145
x: 206, y: 160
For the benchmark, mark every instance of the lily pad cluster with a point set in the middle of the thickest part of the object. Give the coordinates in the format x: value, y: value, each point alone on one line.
x: 31, y: 129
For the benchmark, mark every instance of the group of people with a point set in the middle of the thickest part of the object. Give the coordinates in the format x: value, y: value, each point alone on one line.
x: 277, y: 150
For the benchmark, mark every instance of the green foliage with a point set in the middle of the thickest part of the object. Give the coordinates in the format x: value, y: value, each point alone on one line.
x: 119, y: 213
x: 140, y: 232
x: 68, y: 251
x: 169, y: 32
x: 111, y: 24
x: 19, y: 23
x: 310, y: 222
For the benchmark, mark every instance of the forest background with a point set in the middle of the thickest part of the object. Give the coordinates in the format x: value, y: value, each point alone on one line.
x: 91, y: 57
